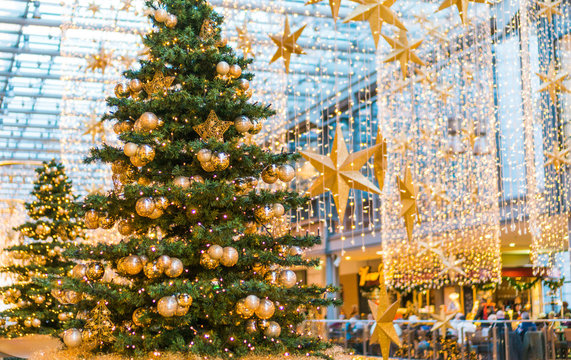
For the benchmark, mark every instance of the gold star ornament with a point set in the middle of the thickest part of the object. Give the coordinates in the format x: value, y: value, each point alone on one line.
x: 333, y: 4
x: 442, y: 321
x: 340, y: 172
x: 287, y: 44
x: 94, y: 8
x: 101, y: 60
x: 549, y: 8
x: 384, y: 313
x: 376, y: 12
x: 213, y: 128
x: 380, y: 160
x: 403, y: 51
x: 451, y: 267
x: 408, y: 196
x: 462, y: 6
x: 159, y: 84
x: 95, y: 128
x: 244, y: 40
x: 553, y: 82
x: 557, y: 158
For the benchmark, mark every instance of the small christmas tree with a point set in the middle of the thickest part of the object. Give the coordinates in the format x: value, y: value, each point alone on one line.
x: 199, y: 271
x: 38, y: 306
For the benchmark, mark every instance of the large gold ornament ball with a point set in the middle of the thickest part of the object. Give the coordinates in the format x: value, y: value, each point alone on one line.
x: 244, y: 84
x: 121, y: 90
x: 244, y: 311
x: 266, y: 309
x: 256, y: 127
x: 28, y: 323
x: 181, y: 310
x: 270, y: 174
x: 132, y: 265
x: 220, y: 161
x: 242, y: 124
x: 40, y: 299
x: 272, y: 277
x: 164, y: 261
x: 72, y: 338
x: 135, y: 85
x: 79, y: 271
x: 264, y: 214
x: 215, y: 252
x: 148, y: 121
x: 127, y: 125
x: 251, y: 228
x: 157, y: 213
x: 235, y: 71
x: 208, y: 166
x: 167, y: 306
x: 152, y: 270
x: 145, y: 206
x: 36, y: 323
x: 161, y: 15
x: 229, y: 256
x: 106, y: 222
x: 146, y: 153
x: 278, y: 209
x: 137, y: 161
x: 207, y: 262
x: 171, y: 21
x: 62, y: 316
x: 182, y: 182
x: 95, y: 271
x: 295, y: 251
x: 252, y: 302
x: 273, y: 330
x: 138, y: 315
x: 130, y: 149
x: 42, y: 230
x: 162, y: 202
x: 287, y: 278
x: 251, y: 327
x: 286, y: 173
x: 184, y: 300
x: 204, y: 155
x: 175, y: 268
x: 125, y: 227
x: 222, y: 68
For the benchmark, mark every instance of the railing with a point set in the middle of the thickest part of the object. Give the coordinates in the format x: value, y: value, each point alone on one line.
x: 464, y: 339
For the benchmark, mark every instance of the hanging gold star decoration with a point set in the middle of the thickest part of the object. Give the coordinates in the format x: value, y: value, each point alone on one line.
x: 445, y: 155
x: 126, y: 5
x: 287, y: 44
x: 384, y: 313
x: 443, y: 92
x: 427, y: 247
x: 94, y: 189
x: 94, y: 8
x: 408, y: 196
x: 207, y: 30
x: 437, y: 194
x: 451, y: 267
x: 434, y: 31
x: 95, y: 128
x: 212, y: 128
x: 462, y: 6
x: 244, y: 40
x: 127, y: 61
x: 380, y: 159
x: 375, y: 12
x: 442, y: 321
x: 341, y: 172
x: 470, y: 134
x: 101, y: 60
x: 403, y: 51
x: 402, y: 145
x: 557, y: 158
x: 333, y: 4
x: 160, y: 83
x: 422, y: 19
x: 553, y: 82
x: 424, y: 76
x: 548, y: 8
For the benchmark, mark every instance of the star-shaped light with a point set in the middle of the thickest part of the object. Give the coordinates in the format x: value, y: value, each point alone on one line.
x: 451, y: 267
x: 94, y: 189
x: 403, y: 51
x: 287, y: 44
x: 548, y: 8
x: 158, y: 84
x: 422, y: 19
x: 462, y: 6
x: 213, y: 128
x: 557, y: 158
x: 437, y: 194
x: 95, y: 128
x: 340, y: 172
x: 94, y: 8
x: 445, y: 155
x: 553, y: 82
x: 101, y: 60
x: 127, y: 61
x: 402, y: 145
x: 380, y: 159
x: 434, y: 31
x: 408, y: 196
x: 426, y: 247
x: 333, y: 4
x: 442, y: 321
x: 126, y: 5
x: 375, y: 12
x: 443, y: 92
x: 384, y: 313
x: 244, y: 40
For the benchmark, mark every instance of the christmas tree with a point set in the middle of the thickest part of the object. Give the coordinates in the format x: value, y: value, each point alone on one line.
x: 39, y: 306
x: 201, y: 269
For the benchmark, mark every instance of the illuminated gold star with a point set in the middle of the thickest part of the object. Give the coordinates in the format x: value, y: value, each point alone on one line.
x: 384, y: 313
x: 287, y: 44
x: 423, y: 75
x: 444, y: 92
x: 557, y: 158
x: 422, y: 19
x: 434, y: 31
x: 408, y: 196
x: 442, y: 321
x: 127, y: 61
x: 213, y: 128
x: 341, y: 172
x: 462, y: 6
x: 403, y: 51
x: 126, y: 5
x: 95, y: 128
x: 451, y: 267
x: 548, y: 8
x: 244, y: 40
x: 380, y: 159
x: 94, y: 189
x: 445, y: 155
x: 158, y: 84
x: 402, y: 145
x: 428, y: 248
x: 101, y: 60
x: 94, y: 8
x: 437, y: 194
x: 375, y: 12
x: 333, y: 4
x: 553, y: 82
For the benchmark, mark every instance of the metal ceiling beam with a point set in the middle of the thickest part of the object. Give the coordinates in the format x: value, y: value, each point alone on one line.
x: 12, y: 50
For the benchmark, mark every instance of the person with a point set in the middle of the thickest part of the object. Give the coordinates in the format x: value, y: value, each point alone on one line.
x: 564, y: 308
x: 502, y: 326
x: 462, y: 327
x: 486, y: 308
x: 525, y: 326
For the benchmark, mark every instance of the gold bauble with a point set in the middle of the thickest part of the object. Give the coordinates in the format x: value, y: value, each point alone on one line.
x: 146, y: 153
x: 117, y: 128
x: 251, y: 327
x: 161, y: 15
x: 220, y: 161
x: 135, y: 85
x: 244, y: 311
x: 132, y: 265
x: 273, y: 330
x: 95, y: 271
x: 36, y: 323
x: 127, y: 125
x: 251, y: 228
x: 28, y: 323
x: 121, y: 90
x: 256, y: 127
x: 278, y: 209
x: 144, y: 181
x: 175, y: 268
x: 266, y: 309
x: 270, y: 174
x: 242, y: 123
x: 62, y: 316
x: 184, y: 300
x: 40, y: 299
x: 182, y: 182
x: 272, y: 277
x: 264, y: 214
x: 295, y: 250
x: 235, y: 71
x: 244, y: 84
x: 79, y: 271
x: 137, y: 317
x: 164, y: 262
x: 252, y: 302
x: 130, y: 149
x: 125, y: 227
x: 152, y: 270
x: 229, y: 256
x: 171, y: 21
x: 258, y: 268
x: 157, y: 213
x: 71, y: 297
x: 222, y: 68
x: 204, y: 155
x: 42, y: 230
x: 287, y: 278
x: 167, y: 306
x: 137, y: 161
x: 207, y: 262
x: 144, y: 259
x: 162, y: 202
x: 145, y: 206
x: 286, y: 173
x: 148, y: 121
x: 215, y: 252
x: 72, y: 338
x: 181, y: 310
x: 106, y: 222
x: 208, y: 166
